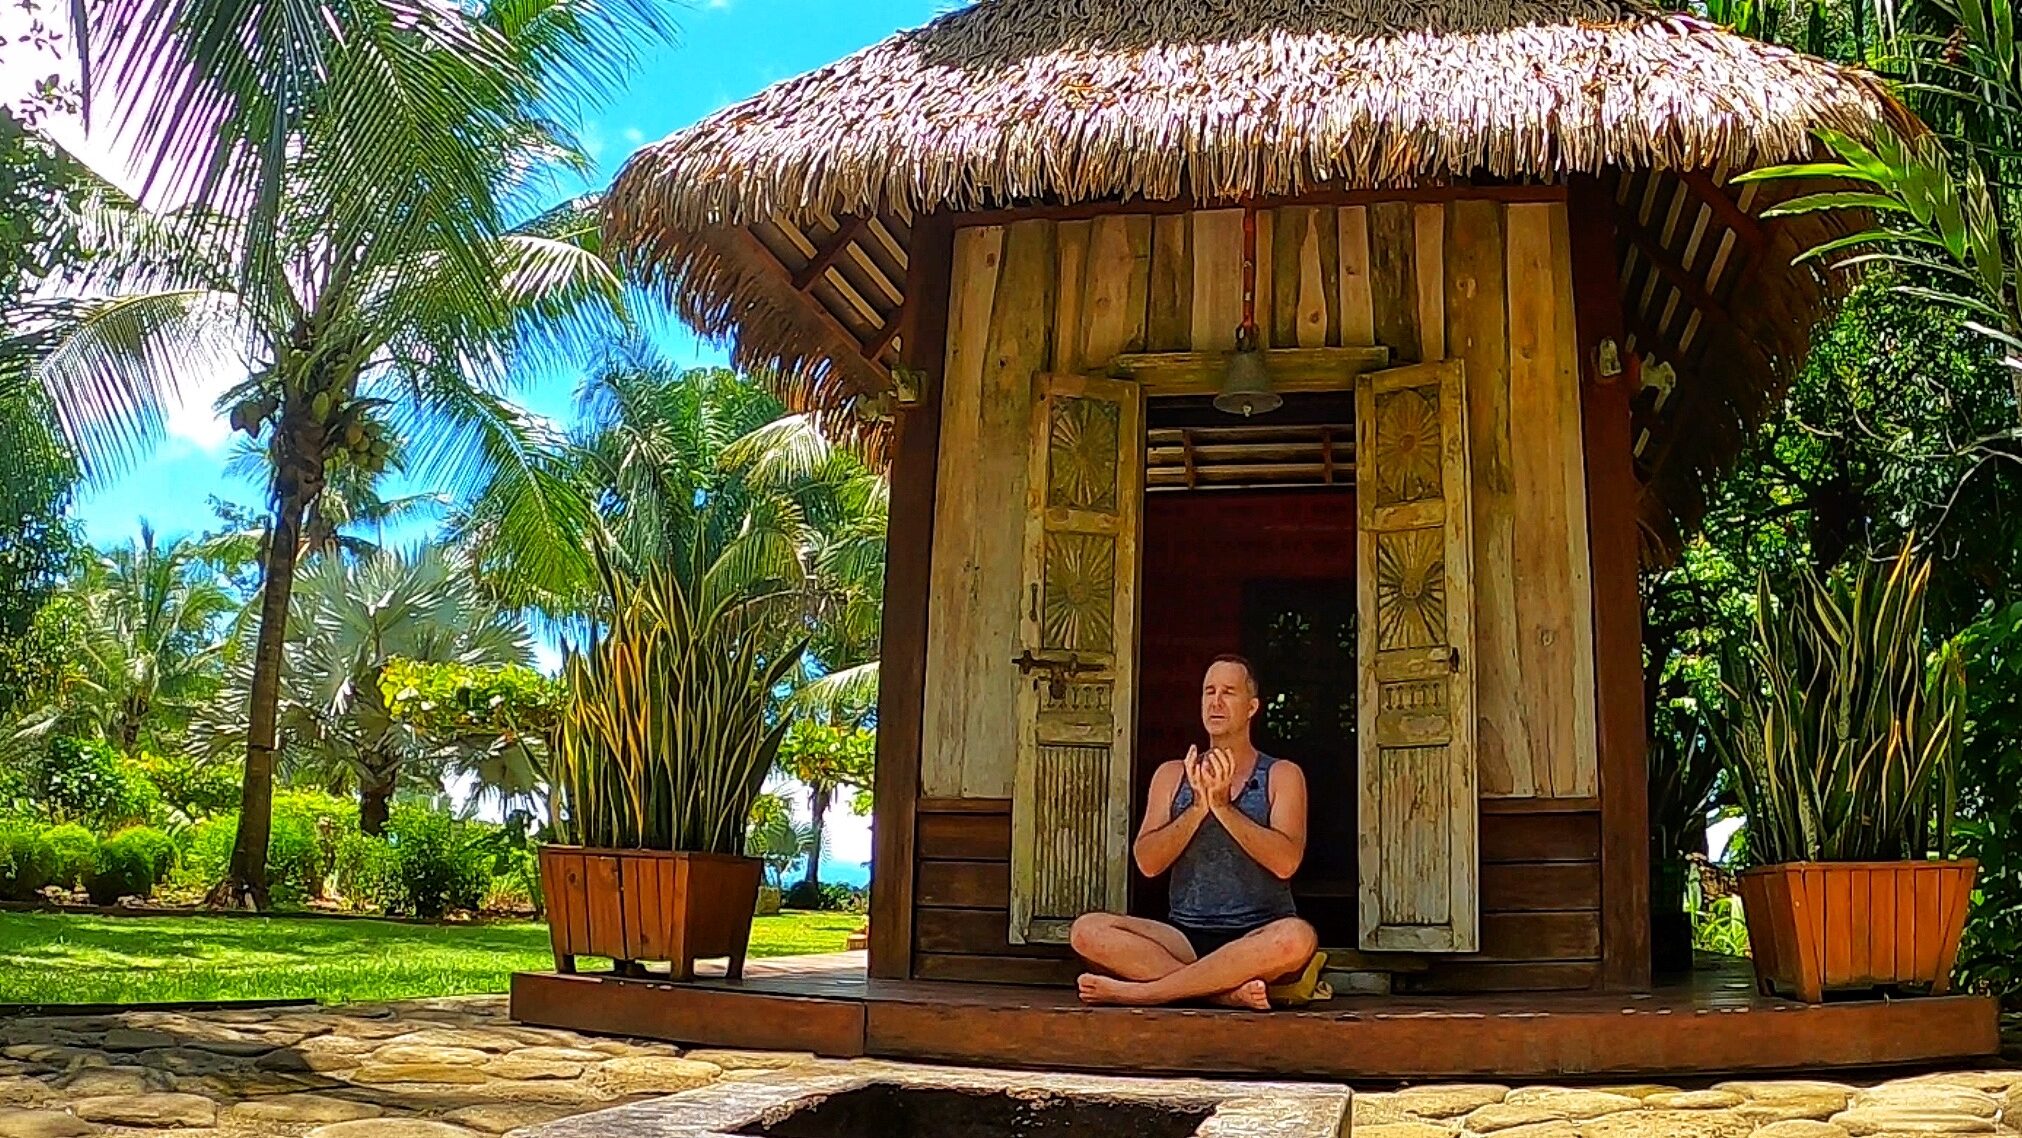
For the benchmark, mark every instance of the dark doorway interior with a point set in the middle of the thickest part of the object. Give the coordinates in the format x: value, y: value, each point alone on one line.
x: 1268, y: 573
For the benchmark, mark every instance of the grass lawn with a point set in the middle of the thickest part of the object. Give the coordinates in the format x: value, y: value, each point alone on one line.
x: 60, y: 958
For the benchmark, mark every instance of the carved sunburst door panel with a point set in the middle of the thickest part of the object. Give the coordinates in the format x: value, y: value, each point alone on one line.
x: 1410, y: 589
x: 1407, y: 463
x: 1081, y: 454
x: 1077, y: 605
x: 1417, y: 840
x: 1070, y: 805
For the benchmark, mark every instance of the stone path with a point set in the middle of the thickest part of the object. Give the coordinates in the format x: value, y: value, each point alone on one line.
x: 452, y: 1068
x: 1979, y: 1102
x: 459, y: 1069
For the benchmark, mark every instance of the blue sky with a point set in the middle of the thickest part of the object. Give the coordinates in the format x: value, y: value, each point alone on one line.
x: 727, y: 50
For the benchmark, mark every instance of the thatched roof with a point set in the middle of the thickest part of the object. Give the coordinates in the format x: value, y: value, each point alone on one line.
x: 1063, y: 101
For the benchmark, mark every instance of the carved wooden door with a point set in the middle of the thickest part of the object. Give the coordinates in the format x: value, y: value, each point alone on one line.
x: 1418, y: 840
x: 1070, y: 807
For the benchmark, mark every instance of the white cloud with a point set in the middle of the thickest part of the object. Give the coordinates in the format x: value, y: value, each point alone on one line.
x: 192, y: 417
x: 633, y: 136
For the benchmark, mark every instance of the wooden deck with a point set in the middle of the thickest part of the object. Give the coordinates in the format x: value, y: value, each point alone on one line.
x: 1715, y: 1023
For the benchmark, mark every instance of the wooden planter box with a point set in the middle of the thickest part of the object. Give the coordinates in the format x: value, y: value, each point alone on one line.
x: 1815, y: 927
x: 640, y: 905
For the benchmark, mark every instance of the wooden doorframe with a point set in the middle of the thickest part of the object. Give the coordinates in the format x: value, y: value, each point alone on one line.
x: 1612, y: 488
x: 909, y: 547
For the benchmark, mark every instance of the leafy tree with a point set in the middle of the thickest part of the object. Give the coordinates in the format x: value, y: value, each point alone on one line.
x: 352, y: 621
x: 354, y: 169
x: 147, y: 650
x: 825, y: 758
x: 37, y: 474
x: 495, y: 721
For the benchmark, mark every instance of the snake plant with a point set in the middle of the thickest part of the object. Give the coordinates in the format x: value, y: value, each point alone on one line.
x: 668, y: 733
x: 1847, y: 720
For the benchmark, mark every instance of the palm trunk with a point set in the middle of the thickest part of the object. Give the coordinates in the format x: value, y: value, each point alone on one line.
x: 817, y: 809
x: 298, y: 478
x: 375, y: 795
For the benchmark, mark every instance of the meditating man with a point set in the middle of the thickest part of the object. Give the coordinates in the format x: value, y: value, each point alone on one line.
x: 1230, y: 823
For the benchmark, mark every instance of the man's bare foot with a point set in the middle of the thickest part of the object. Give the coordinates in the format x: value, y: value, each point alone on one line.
x: 1098, y: 989
x: 1251, y: 995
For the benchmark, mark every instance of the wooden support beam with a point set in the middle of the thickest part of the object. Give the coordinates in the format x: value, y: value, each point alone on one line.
x: 1674, y: 274
x: 885, y: 335
x: 762, y: 257
x: 1746, y: 227
x: 1291, y: 369
x: 825, y: 255
x: 909, y: 546
x: 1612, y: 489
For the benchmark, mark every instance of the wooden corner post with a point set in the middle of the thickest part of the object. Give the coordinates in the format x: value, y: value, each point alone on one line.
x: 909, y: 544
x: 1606, y: 388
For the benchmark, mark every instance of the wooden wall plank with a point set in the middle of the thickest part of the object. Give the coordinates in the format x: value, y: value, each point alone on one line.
x: 982, y: 932
x: 903, y: 645
x: 972, y: 837
x: 975, y: 885
x: 1393, y: 283
x: 1477, y: 333
x: 1581, y: 762
x: 1071, y: 253
x: 1523, y: 887
x: 1358, y: 316
x: 1217, y: 279
x: 1288, y: 236
x: 1429, y: 264
x: 1019, y: 338
x: 1538, y: 837
x: 1169, y: 309
x: 1036, y: 970
x: 1550, y: 553
x: 1551, y: 936
x: 956, y: 569
x: 1118, y: 279
x: 1612, y: 489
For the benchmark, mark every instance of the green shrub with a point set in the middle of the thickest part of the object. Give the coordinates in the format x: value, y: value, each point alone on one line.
x: 190, y: 788
x: 131, y: 863
x: 73, y: 854
x: 85, y: 780
x: 443, y: 864
x: 27, y: 862
x: 301, y: 847
x: 368, y: 873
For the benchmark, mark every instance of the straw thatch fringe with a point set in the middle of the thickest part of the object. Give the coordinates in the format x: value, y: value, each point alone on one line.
x: 717, y: 281
x: 1073, y: 100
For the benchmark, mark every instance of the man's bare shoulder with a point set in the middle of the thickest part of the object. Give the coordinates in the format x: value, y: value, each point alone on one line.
x: 1170, y: 769
x: 1285, y: 769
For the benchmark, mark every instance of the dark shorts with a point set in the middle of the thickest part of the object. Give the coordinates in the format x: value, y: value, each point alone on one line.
x: 1205, y: 941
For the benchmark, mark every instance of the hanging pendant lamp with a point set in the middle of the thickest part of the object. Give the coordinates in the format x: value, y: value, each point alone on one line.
x: 1246, y: 384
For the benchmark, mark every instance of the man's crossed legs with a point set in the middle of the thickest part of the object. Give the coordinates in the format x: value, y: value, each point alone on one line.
x: 1142, y: 962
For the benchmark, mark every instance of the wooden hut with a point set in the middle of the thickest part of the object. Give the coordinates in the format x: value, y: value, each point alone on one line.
x: 1517, y: 311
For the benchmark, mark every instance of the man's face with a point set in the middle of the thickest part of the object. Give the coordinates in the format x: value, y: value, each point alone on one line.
x: 1228, y: 700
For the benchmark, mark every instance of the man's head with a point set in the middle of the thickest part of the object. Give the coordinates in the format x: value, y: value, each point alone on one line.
x: 1229, y: 699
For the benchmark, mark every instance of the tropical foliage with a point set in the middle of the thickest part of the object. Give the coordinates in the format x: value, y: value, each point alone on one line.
x: 354, y: 620
x: 669, y: 733
x: 1847, y: 720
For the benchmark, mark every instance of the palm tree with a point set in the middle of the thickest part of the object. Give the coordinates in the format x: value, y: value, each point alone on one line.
x: 352, y: 168
x: 353, y: 619
x: 149, y: 650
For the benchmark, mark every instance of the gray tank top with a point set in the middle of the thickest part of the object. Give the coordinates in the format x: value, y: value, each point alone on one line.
x: 1215, y: 883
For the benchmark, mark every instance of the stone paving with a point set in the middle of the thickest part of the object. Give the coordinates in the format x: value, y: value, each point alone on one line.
x: 459, y: 1068
x: 454, y: 1068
